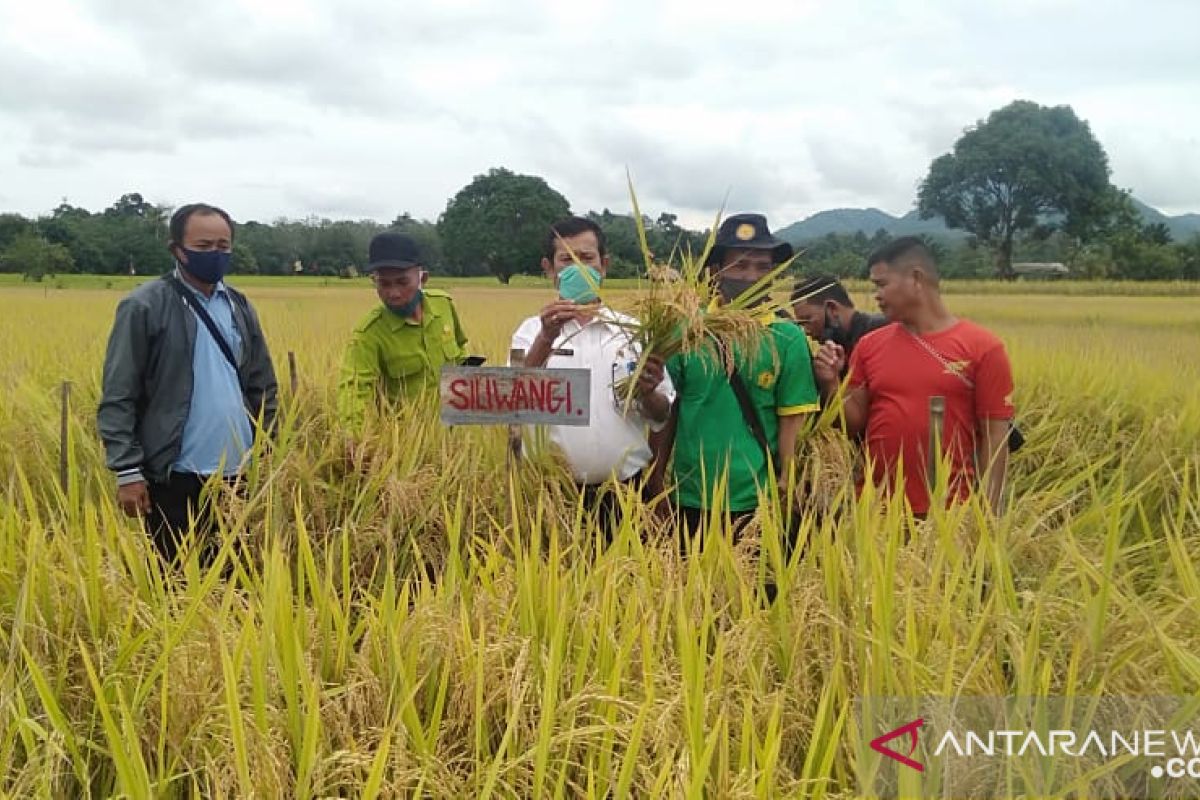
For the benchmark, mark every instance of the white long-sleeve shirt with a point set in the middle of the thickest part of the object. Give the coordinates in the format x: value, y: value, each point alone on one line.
x: 612, y: 443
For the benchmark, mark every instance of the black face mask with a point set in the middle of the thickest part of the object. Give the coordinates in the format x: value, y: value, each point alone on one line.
x: 833, y: 330
x: 733, y: 288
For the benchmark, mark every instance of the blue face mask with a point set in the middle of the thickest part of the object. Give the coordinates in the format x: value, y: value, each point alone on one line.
x: 580, y: 287
x: 207, y: 266
x: 408, y: 309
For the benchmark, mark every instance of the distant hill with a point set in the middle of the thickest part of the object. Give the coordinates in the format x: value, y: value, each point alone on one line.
x: 1182, y: 228
x: 869, y: 220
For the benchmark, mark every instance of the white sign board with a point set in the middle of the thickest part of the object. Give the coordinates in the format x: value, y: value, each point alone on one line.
x: 515, y: 396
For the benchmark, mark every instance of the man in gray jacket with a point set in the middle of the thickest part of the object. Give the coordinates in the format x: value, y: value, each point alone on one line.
x: 188, y: 382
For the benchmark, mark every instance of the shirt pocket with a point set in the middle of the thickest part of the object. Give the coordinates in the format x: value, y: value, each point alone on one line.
x: 405, y: 365
x: 450, y: 348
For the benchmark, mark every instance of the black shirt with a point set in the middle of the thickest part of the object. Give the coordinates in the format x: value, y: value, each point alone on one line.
x: 860, y: 325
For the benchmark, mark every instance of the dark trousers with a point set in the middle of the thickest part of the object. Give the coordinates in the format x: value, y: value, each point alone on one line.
x: 174, y: 504
x: 600, y: 500
x: 692, y: 522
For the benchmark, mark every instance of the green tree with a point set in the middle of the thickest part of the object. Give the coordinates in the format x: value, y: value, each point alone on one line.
x: 1124, y: 246
x: 335, y: 246
x: 243, y: 261
x: 128, y: 236
x: 134, y: 205
x: 35, y: 257
x: 12, y: 226
x: 133, y: 235
x: 1026, y: 166
x: 621, y: 241
x: 665, y: 236
x: 426, y: 235
x: 1156, y: 233
x: 72, y: 227
x: 840, y: 254
x: 965, y: 260
x: 273, y: 253
x: 499, y: 220
x: 1137, y: 259
x: 1189, y: 259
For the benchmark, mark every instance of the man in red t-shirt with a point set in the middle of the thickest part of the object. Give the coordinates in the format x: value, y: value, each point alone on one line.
x: 926, y: 353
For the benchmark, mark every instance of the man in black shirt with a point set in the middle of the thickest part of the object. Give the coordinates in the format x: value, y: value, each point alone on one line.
x: 823, y: 307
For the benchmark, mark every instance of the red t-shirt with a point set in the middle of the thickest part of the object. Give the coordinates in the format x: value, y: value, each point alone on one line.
x: 900, y: 376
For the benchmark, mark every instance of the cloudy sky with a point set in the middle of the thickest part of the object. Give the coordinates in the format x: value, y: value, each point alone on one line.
x: 367, y: 108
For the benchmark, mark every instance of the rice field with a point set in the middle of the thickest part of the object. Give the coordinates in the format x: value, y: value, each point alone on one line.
x: 425, y: 621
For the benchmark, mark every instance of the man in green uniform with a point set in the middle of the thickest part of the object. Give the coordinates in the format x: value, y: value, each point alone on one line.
x: 397, y: 351
x: 719, y: 434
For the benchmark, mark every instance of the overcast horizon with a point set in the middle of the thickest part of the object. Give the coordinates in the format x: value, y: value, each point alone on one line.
x: 274, y: 108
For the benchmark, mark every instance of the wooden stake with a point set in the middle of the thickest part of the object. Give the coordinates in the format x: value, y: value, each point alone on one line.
x: 63, y: 435
x: 292, y: 377
x: 516, y: 358
x: 937, y: 416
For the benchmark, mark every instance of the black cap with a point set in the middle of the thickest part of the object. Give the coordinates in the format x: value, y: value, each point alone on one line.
x: 748, y: 231
x: 394, y: 250
x: 812, y: 287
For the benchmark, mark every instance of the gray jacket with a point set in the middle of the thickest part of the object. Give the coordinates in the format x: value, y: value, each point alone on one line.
x: 147, y: 390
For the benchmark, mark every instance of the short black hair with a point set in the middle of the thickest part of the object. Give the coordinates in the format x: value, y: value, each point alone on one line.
x: 904, y: 249
x: 182, y: 214
x: 816, y: 289
x: 568, y: 227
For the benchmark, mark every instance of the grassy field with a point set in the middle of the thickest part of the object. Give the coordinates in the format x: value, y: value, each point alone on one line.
x: 331, y: 664
x: 1056, y: 288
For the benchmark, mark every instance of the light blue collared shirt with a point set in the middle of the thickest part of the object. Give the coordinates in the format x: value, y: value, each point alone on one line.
x: 217, y: 433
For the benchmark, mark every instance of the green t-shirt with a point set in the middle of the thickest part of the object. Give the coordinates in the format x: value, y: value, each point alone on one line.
x: 398, y: 358
x: 712, y: 433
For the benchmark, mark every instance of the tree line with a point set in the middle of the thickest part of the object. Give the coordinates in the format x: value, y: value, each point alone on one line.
x: 1132, y: 250
x: 1028, y: 183
x: 130, y: 237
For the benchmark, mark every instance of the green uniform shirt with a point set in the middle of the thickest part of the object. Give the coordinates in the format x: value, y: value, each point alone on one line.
x: 712, y: 434
x: 398, y: 358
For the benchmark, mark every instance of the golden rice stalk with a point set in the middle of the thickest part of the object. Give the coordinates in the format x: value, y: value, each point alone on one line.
x: 679, y: 310
x: 827, y: 460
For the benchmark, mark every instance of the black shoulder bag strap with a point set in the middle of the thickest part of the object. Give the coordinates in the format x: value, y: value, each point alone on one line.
x: 749, y: 415
x: 204, y: 316
x: 753, y: 421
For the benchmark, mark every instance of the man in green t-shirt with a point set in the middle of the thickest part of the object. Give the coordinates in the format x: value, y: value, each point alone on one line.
x: 716, y: 445
x: 397, y: 351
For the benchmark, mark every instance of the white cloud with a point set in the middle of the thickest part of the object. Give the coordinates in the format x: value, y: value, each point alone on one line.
x: 357, y: 108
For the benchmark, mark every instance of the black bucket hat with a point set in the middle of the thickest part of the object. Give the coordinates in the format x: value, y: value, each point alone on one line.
x: 395, y: 250
x: 748, y: 231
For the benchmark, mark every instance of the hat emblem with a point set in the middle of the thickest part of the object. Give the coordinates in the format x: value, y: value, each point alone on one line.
x: 745, y: 232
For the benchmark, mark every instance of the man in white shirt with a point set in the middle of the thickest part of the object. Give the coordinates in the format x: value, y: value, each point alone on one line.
x: 577, y: 331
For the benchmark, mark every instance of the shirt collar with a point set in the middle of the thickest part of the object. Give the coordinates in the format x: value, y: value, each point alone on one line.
x: 218, y: 289
x: 398, y: 322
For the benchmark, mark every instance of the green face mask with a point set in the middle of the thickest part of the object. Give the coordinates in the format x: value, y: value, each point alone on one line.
x: 579, y: 286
